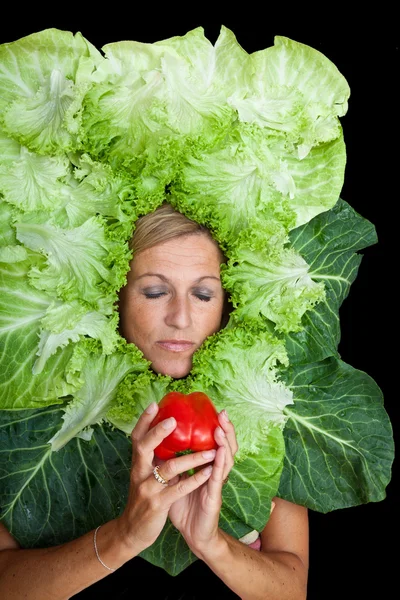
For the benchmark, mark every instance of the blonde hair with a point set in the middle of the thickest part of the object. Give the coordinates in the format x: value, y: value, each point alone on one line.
x: 165, y: 223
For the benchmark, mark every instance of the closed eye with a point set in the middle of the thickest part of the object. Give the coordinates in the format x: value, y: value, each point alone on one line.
x: 154, y: 295
x: 203, y: 297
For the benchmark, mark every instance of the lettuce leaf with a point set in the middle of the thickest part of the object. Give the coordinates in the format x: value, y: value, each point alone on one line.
x: 43, y: 78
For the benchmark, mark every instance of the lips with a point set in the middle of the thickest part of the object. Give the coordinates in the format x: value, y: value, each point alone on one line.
x: 176, y: 345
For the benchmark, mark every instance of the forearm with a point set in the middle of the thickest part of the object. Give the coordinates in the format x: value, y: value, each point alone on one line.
x: 254, y: 575
x: 59, y: 572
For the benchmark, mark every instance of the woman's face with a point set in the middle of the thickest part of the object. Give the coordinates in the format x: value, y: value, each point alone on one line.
x: 173, y: 301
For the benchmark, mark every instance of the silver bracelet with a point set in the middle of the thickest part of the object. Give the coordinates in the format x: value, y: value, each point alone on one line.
x: 97, y: 552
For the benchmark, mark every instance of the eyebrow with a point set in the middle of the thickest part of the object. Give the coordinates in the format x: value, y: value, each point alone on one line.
x: 163, y: 278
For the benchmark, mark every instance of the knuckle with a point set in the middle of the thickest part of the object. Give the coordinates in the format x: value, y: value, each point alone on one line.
x: 139, y: 450
x: 170, y: 469
x: 181, y: 486
x: 134, y: 438
x: 148, y: 501
x: 158, y: 432
x: 229, y: 464
x: 141, y: 491
x: 153, y: 502
x: 229, y: 428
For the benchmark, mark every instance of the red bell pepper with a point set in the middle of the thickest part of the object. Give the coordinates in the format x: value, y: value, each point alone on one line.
x: 196, y: 419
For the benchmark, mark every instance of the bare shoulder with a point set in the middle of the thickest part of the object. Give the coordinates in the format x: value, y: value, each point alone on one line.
x: 6, y: 539
x: 287, y: 530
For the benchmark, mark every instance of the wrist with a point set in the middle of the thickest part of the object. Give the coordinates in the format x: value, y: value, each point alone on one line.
x: 112, y: 546
x: 127, y: 538
x: 214, y: 549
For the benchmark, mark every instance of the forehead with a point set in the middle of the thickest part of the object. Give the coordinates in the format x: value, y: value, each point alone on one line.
x: 197, y: 251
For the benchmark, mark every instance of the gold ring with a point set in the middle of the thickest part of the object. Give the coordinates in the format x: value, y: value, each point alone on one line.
x: 225, y: 480
x: 158, y: 477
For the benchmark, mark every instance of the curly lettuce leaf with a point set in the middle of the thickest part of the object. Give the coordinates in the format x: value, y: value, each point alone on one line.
x: 285, y: 96
x: 251, y: 174
x: 265, y: 277
x: 80, y: 261
x: 44, y: 77
x: 64, y: 190
x: 22, y: 309
x: 100, y: 375
x: 32, y: 182
x: 133, y: 395
x: 68, y: 323
x: 147, y: 92
x: 238, y: 369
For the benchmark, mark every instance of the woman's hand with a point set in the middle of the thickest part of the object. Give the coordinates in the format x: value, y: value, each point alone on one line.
x: 149, y: 500
x: 196, y: 515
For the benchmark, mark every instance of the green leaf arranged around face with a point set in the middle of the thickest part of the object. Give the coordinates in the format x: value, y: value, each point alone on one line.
x: 339, y: 440
x: 329, y: 243
x: 42, y: 90
x: 21, y: 310
x: 47, y: 497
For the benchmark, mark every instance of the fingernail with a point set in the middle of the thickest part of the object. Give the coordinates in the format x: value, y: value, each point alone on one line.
x: 151, y: 408
x: 222, y: 432
x: 168, y: 423
x: 208, y: 453
x: 207, y: 470
x: 225, y: 415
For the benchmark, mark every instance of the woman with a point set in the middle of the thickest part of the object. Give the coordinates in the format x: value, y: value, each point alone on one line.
x: 172, y: 302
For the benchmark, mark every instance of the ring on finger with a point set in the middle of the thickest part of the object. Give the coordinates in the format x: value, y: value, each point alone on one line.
x: 158, y: 477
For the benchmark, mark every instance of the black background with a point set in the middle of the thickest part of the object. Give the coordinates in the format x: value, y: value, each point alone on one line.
x: 353, y: 551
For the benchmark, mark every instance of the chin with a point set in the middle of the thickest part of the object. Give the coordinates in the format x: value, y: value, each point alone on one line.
x: 174, y: 369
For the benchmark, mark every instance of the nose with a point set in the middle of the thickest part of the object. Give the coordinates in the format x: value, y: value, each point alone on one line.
x: 178, y: 313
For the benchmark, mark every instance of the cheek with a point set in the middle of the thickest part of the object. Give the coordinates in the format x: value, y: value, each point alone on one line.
x: 137, y: 324
x: 210, y: 321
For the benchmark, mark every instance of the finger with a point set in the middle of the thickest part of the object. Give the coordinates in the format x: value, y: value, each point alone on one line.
x: 185, y: 486
x: 141, y: 428
x: 181, y: 464
x: 229, y: 430
x: 157, y: 434
x: 145, y: 440
x: 144, y: 421
x: 217, y: 476
x: 222, y: 440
